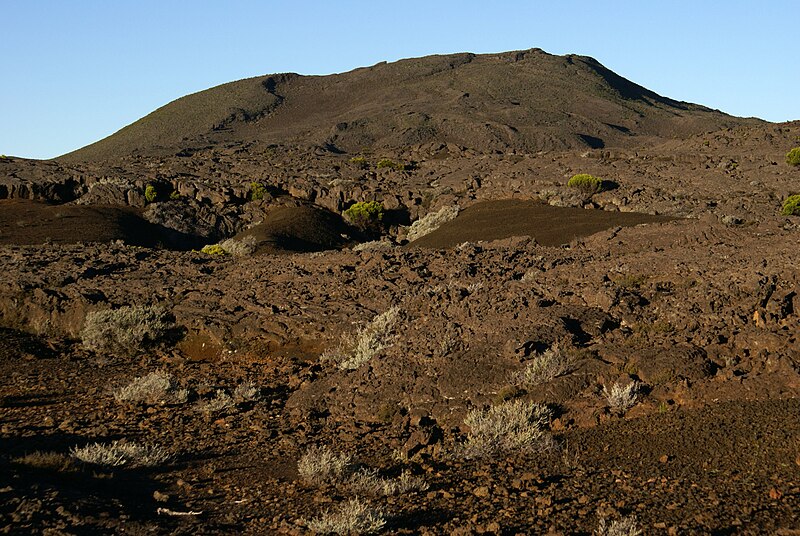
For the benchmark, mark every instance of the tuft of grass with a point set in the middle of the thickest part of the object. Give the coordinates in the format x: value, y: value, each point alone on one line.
x: 239, y: 248
x: 376, y: 336
x: 47, y: 461
x: 544, y: 367
x: 360, y: 162
x: 246, y: 392
x: 390, y: 164
x: 622, y: 398
x: 118, y: 453
x: 369, y: 482
x: 127, y: 330
x: 374, y: 245
x: 791, y: 207
x: 322, y: 466
x: 793, y: 157
x: 431, y: 221
x: 221, y: 402
x: 156, y: 388
x: 514, y: 425
x: 627, y: 526
x: 352, y: 517
x: 587, y: 183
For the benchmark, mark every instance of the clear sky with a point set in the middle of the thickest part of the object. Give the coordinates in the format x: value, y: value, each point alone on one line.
x: 73, y: 72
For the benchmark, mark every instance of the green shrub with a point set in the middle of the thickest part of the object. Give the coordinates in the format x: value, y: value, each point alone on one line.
x: 360, y: 161
x: 257, y: 191
x: 214, y: 249
x: 791, y: 207
x: 793, y: 157
x: 150, y: 193
x: 365, y: 215
x: 586, y: 182
x: 387, y: 163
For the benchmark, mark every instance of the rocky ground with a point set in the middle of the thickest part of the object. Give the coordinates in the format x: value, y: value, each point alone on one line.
x: 697, y: 308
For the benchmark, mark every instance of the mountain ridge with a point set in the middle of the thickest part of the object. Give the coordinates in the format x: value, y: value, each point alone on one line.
x: 521, y: 100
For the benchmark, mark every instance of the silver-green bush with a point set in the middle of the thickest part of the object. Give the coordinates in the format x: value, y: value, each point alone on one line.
x: 127, y: 330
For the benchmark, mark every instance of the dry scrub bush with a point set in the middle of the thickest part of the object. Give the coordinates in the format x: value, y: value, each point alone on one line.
x: 627, y: 526
x: 127, y: 330
x: 431, y: 221
x: 622, y: 398
x: 375, y: 245
x: 155, y: 388
x: 246, y: 392
x: 352, y: 517
x: 375, y: 336
x: 509, y: 426
x: 118, y: 454
x: 239, y: 248
x: 544, y: 367
x: 321, y: 465
x: 222, y: 401
x: 369, y: 482
x: 51, y: 461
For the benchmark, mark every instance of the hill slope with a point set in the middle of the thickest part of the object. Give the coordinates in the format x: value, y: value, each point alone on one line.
x: 527, y: 100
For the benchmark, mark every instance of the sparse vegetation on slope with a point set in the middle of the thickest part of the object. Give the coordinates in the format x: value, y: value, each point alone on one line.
x: 587, y: 183
x: 365, y: 214
x: 127, y: 330
x: 791, y: 206
x: 515, y: 425
x: 793, y: 157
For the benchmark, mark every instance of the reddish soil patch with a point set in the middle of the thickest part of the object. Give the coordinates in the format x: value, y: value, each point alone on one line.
x: 548, y: 225
x: 31, y: 222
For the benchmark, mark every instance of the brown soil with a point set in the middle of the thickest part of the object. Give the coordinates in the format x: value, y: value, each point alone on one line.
x: 548, y: 225
x: 25, y: 222
x: 683, y: 278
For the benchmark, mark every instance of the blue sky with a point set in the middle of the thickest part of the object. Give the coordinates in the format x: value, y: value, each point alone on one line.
x: 75, y: 72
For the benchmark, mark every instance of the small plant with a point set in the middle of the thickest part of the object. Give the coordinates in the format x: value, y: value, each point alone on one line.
x: 793, y: 157
x: 369, y: 482
x: 4, y: 157
x: 546, y: 366
x: 622, y: 398
x: 365, y: 215
x: 246, y: 392
x: 127, y: 330
x: 431, y: 221
x: 48, y: 461
x: 257, y: 191
x: 506, y: 427
x: 791, y: 207
x: 360, y: 162
x: 155, y: 388
x: 150, y: 193
x: 390, y: 164
x: 321, y: 465
x: 120, y: 453
x: 627, y: 526
x: 241, y: 247
x: 174, y: 195
x: 221, y: 402
x: 587, y: 183
x: 214, y: 249
x: 352, y: 517
x: 376, y: 336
